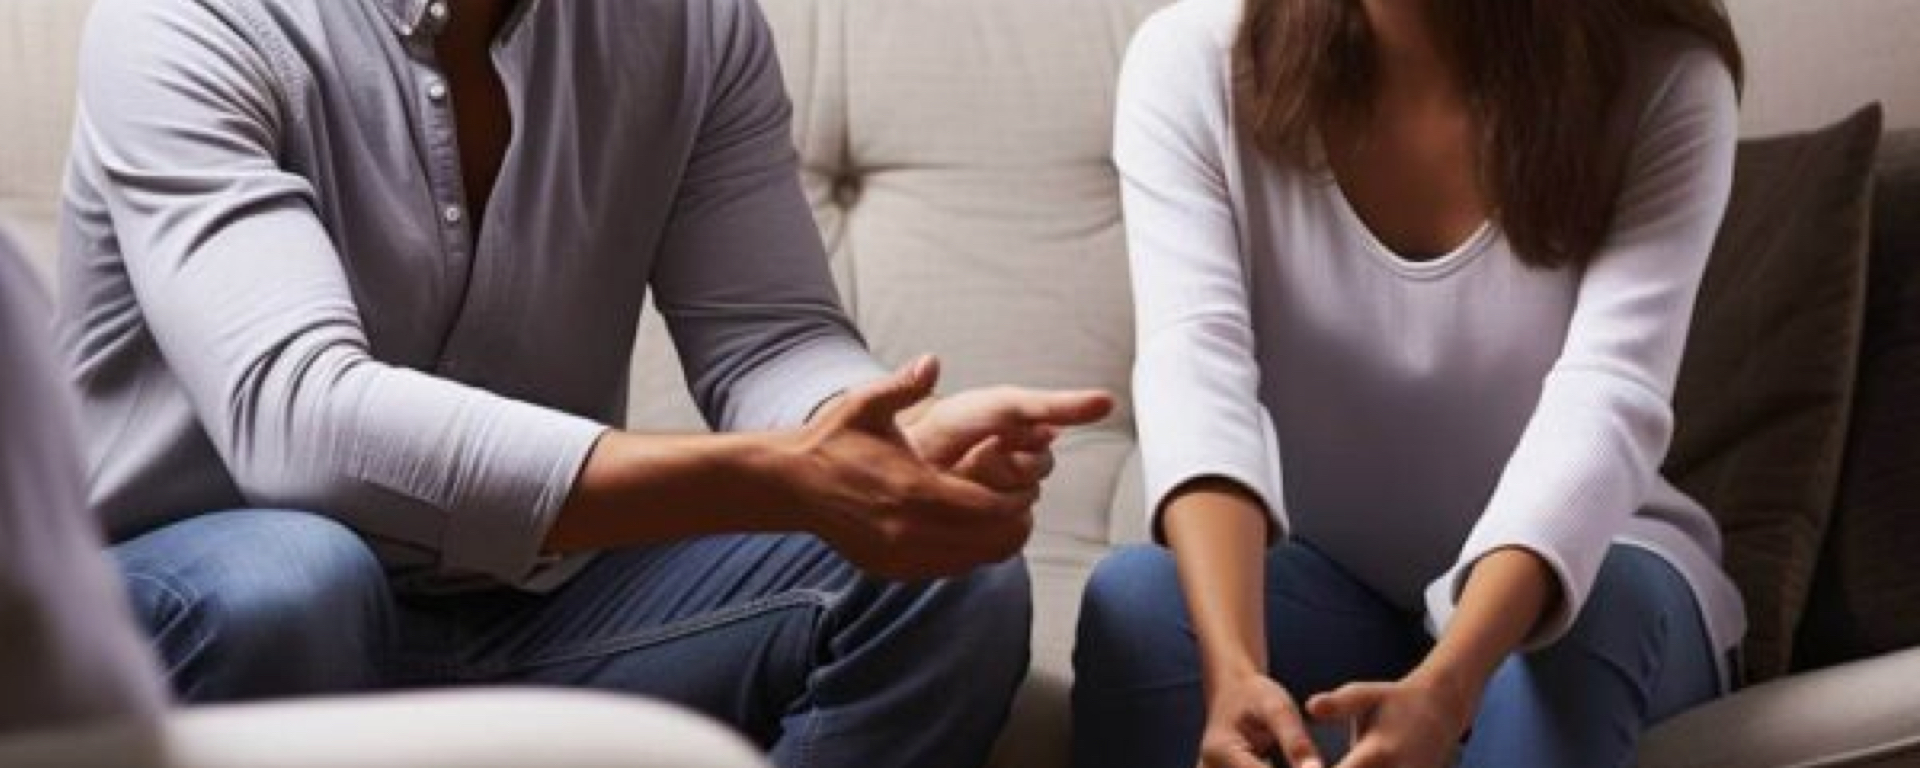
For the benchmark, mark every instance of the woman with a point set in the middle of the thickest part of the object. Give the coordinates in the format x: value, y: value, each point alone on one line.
x: 1413, y: 280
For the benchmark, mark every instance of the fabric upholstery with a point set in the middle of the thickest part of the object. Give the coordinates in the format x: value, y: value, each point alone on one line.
x: 972, y: 212
x: 1857, y: 715
x: 1767, y: 382
x: 37, y: 62
x: 1866, y: 599
x: 498, y: 728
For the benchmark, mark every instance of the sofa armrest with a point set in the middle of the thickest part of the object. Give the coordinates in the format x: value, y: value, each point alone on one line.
x: 469, y: 729
x: 1866, y: 713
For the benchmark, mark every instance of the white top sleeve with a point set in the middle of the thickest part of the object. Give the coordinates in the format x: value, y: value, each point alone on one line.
x: 1196, y: 377
x: 1590, y: 455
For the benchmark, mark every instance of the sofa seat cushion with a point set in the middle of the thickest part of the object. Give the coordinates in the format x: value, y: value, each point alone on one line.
x: 1862, y: 714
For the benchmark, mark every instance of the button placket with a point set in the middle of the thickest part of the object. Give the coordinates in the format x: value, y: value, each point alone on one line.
x: 446, y: 185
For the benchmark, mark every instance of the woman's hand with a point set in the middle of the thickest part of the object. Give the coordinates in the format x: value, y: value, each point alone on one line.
x: 1252, y: 719
x: 1414, y: 723
x: 1417, y: 722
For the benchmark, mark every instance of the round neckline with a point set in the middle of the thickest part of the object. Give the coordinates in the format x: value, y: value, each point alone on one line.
x: 1424, y: 269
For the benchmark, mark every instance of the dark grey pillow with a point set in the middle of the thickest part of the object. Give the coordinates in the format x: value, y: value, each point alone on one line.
x: 1767, y: 383
x: 1866, y: 597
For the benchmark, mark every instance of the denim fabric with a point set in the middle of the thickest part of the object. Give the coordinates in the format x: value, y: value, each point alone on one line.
x: 1638, y: 654
x: 775, y: 634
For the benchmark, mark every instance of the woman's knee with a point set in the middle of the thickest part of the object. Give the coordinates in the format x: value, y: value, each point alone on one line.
x: 1638, y: 605
x: 1132, y: 616
x: 1637, y: 653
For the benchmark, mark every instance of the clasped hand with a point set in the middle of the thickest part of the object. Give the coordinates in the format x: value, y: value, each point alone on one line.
x: 1412, y: 723
x: 914, y: 495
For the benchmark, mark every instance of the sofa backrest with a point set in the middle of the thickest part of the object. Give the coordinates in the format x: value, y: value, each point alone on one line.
x: 956, y: 157
x: 37, y: 39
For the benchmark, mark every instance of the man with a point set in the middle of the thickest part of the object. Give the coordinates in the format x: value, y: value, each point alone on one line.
x: 380, y: 261
x: 78, y: 686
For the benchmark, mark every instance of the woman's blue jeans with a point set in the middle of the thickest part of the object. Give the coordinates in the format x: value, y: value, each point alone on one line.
x: 1637, y: 654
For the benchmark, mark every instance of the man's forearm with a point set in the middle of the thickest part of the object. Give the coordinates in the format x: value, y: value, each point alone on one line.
x: 644, y: 489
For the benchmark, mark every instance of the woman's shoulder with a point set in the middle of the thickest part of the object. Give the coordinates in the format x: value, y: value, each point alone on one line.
x: 1195, y: 28
x: 1673, y: 67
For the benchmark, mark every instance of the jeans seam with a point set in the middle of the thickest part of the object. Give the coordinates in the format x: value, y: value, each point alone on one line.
x: 174, y: 591
x: 812, y: 736
x: 663, y: 633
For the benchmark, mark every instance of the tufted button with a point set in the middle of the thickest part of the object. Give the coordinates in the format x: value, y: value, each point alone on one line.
x: 846, y: 190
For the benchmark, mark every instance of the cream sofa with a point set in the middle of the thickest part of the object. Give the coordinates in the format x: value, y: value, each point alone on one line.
x: 957, y: 158
x: 491, y: 729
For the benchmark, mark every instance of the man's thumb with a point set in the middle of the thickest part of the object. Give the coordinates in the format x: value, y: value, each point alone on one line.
x: 903, y: 389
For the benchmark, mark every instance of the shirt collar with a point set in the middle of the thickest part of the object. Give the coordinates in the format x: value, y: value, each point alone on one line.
x: 413, y: 18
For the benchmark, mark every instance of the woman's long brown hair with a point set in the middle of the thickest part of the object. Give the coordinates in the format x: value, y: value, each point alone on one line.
x: 1543, y: 77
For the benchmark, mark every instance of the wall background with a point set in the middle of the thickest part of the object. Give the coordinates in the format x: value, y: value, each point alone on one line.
x: 1811, y: 61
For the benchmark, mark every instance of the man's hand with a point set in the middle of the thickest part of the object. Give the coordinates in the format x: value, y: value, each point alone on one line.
x: 887, y: 509
x: 1409, y: 724
x: 1002, y: 437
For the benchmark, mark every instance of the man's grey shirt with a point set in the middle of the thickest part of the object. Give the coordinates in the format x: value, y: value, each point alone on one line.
x: 274, y: 296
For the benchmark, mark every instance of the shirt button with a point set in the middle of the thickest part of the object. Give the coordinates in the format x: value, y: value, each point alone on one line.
x: 437, y: 11
x: 437, y: 90
x: 453, y: 214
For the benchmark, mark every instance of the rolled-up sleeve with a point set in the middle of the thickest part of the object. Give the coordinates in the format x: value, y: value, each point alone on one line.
x: 1591, y: 453
x: 252, y: 310
x: 742, y: 279
x: 1196, y: 377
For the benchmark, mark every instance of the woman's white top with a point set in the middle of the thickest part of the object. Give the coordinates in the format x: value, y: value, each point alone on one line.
x: 1408, y: 418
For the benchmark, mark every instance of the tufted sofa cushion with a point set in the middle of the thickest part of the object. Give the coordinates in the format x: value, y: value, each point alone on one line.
x: 37, y: 41
x: 957, y: 158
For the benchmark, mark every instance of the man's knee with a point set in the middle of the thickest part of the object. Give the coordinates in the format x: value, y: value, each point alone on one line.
x: 991, y: 612
x: 255, y: 603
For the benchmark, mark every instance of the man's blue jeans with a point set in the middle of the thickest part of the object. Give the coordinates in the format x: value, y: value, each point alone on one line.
x: 1637, y: 654
x: 774, y: 634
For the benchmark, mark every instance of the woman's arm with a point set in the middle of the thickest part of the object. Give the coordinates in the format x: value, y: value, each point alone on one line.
x: 1208, y: 450
x: 1507, y: 596
x: 1591, y: 452
x: 1219, y: 534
